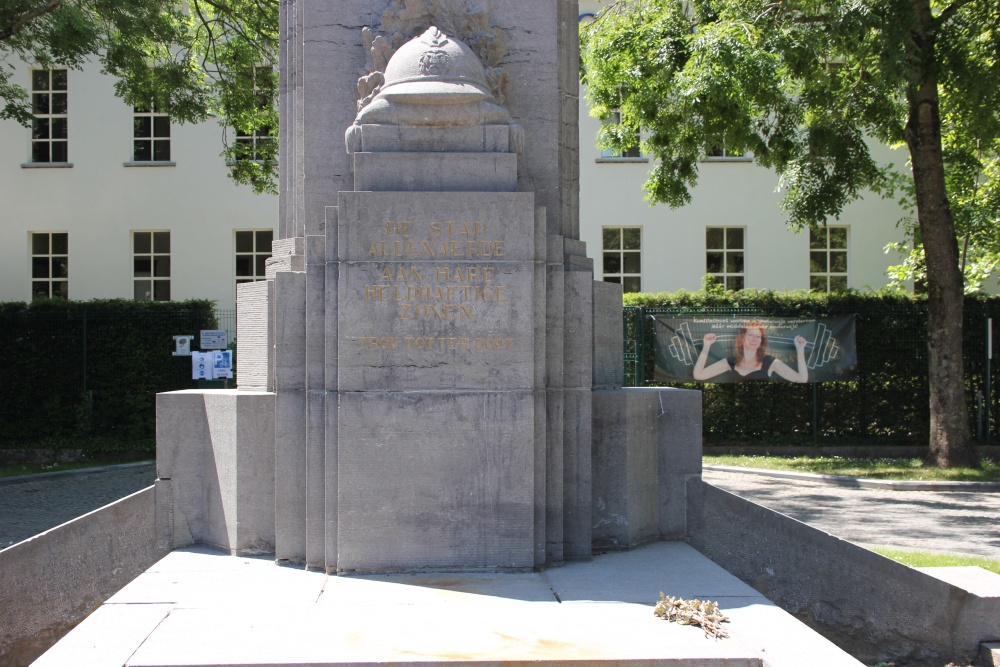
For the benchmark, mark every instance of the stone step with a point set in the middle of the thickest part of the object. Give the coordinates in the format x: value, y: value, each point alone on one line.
x: 989, y: 654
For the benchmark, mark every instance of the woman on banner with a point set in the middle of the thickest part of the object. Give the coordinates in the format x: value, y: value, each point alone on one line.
x: 750, y: 360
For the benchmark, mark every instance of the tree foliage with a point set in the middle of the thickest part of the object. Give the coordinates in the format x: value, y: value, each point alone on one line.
x: 193, y: 59
x: 807, y: 87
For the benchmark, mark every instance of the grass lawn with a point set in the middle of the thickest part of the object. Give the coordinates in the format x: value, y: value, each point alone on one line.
x: 925, y: 559
x: 895, y: 469
x: 16, y: 469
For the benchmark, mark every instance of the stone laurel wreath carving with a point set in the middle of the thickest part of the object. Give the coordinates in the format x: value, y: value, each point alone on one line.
x: 405, y: 19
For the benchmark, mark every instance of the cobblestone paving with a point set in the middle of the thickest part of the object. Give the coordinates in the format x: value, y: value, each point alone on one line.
x: 36, y: 505
x: 961, y: 522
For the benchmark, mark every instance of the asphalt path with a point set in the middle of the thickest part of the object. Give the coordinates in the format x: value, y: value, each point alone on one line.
x: 33, y: 504
x: 953, y: 521
x: 949, y: 521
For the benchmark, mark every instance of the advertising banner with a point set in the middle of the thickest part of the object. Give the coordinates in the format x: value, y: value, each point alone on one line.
x: 728, y: 348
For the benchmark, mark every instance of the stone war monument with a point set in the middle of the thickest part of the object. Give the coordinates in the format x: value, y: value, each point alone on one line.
x: 429, y: 378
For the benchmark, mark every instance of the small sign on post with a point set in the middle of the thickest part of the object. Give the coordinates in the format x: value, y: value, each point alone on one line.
x: 214, y: 339
x: 203, y: 365
x: 222, y: 366
x: 182, y: 345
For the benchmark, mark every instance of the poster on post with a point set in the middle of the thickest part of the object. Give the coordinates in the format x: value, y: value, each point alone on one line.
x: 222, y: 364
x: 202, y: 366
x: 738, y: 348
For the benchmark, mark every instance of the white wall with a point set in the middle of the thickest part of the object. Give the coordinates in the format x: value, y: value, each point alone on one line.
x: 99, y: 201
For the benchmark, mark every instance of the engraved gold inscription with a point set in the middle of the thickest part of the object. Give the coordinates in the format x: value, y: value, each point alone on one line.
x: 435, y: 343
x: 437, y: 292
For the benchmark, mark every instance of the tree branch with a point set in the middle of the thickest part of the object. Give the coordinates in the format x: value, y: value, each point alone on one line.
x: 948, y: 12
x: 30, y: 15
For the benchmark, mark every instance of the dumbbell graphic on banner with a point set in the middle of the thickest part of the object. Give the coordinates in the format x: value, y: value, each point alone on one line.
x: 822, y: 350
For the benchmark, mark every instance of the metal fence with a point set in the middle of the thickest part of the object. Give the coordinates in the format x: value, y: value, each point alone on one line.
x: 227, y: 320
x: 889, y: 401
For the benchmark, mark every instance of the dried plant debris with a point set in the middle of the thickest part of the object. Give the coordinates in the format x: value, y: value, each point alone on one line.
x: 705, y: 615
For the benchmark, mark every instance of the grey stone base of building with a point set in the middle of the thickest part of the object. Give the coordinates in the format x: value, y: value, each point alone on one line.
x: 217, y: 476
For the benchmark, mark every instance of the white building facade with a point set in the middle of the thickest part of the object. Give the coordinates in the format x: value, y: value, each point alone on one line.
x: 100, y: 200
x: 733, y: 229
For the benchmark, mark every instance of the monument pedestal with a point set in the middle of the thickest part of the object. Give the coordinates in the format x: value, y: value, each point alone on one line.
x: 431, y: 332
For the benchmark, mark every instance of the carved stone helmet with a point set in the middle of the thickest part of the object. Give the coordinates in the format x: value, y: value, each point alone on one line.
x: 435, y: 69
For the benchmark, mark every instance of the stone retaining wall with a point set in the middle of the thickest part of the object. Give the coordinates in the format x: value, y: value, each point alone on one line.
x: 875, y: 608
x: 52, y: 581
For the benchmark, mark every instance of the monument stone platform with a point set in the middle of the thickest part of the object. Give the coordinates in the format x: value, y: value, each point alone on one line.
x: 200, y: 607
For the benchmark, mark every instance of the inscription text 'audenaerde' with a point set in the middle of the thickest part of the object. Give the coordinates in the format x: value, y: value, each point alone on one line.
x: 448, y: 238
x: 429, y: 291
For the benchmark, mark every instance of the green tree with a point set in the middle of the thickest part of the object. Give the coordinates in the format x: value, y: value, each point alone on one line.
x: 193, y: 59
x: 804, y: 86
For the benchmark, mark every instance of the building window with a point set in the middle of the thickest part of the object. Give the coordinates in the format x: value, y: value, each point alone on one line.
x: 150, y: 135
x: 50, y: 106
x: 615, y: 118
x: 724, y: 255
x: 49, y: 265
x: 828, y: 259
x: 254, y: 145
x: 258, y: 143
x: 723, y: 153
x: 151, y: 266
x: 253, y: 247
x: 622, y: 258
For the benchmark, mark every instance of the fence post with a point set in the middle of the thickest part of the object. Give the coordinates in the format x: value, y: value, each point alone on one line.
x: 989, y: 359
x: 815, y: 393
x: 84, y: 350
x: 640, y: 375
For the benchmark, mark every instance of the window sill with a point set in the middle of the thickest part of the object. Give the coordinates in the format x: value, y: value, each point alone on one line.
x: 233, y: 163
x: 163, y: 163
x: 46, y: 165
x: 602, y: 160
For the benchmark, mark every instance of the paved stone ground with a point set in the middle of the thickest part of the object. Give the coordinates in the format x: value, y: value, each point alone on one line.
x: 961, y: 522
x: 947, y: 521
x: 42, y: 502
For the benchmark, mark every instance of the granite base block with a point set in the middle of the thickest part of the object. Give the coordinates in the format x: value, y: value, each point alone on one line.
x: 435, y: 480
x: 216, y: 448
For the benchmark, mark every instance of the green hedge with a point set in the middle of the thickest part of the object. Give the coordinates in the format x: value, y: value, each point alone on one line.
x: 75, y: 370
x: 888, y: 402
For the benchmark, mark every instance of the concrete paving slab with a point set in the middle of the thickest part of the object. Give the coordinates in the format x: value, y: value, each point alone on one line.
x: 640, y: 575
x: 198, y: 608
x: 109, y: 636
x: 436, y: 588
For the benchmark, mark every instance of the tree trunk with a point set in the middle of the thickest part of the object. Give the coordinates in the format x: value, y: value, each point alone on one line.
x: 950, y: 439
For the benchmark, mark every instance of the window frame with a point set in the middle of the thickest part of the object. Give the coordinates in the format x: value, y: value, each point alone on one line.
x: 151, y: 115
x: 152, y: 255
x: 826, y: 249
x: 50, y: 118
x: 725, y: 274
x: 258, y: 257
x: 723, y: 156
x: 632, y: 155
x: 256, y: 138
x: 627, y: 279
x: 51, y: 257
